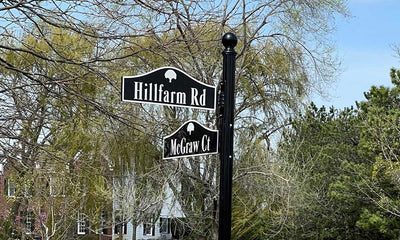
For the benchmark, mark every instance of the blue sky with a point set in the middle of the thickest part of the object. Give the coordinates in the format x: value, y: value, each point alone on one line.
x: 364, y: 44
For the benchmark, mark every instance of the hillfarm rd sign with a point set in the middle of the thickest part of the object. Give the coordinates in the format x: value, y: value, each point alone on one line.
x: 168, y: 86
x: 191, y: 139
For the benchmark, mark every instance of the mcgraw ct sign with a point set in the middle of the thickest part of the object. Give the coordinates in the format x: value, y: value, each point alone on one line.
x: 168, y: 86
x: 191, y: 139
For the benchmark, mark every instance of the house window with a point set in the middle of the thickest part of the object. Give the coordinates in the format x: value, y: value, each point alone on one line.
x: 148, y: 228
x: 10, y: 188
x: 165, y: 225
x: 56, y: 188
x: 29, y: 221
x: 27, y: 191
x: 51, y: 187
x: 103, y: 222
x: 83, y: 188
x: 120, y: 224
x: 81, y: 221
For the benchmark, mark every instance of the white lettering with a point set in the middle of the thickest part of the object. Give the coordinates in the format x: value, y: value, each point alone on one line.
x: 198, y: 100
x: 160, y: 90
x: 203, y: 98
x: 145, y: 91
x: 166, y: 97
x: 151, y: 92
x: 181, y: 98
x: 205, y: 143
x: 183, y: 143
x: 183, y: 147
x: 138, y: 90
x: 155, y: 92
x: 196, y: 146
x: 172, y: 97
x: 194, y: 100
x: 174, y: 148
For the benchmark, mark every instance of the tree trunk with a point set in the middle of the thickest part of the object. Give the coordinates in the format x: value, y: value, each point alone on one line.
x: 134, y: 230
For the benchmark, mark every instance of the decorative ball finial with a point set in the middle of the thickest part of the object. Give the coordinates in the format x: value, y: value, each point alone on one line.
x: 229, y: 40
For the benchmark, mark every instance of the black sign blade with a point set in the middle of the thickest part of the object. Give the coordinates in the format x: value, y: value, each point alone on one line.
x: 191, y: 139
x: 168, y: 86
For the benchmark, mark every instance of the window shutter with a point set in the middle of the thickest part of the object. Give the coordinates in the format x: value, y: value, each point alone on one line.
x: 86, y: 226
x: 32, y: 221
x: 74, y: 226
x: 5, y: 187
x: 22, y: 218
x: 117, y: 225
x: 103, y: 222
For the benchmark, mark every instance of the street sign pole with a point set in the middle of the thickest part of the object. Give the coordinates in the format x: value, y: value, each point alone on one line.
x: 227, y: 88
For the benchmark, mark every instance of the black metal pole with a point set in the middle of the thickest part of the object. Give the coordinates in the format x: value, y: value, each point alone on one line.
x: 227, y: 88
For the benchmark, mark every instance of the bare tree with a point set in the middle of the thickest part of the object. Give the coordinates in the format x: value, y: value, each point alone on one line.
x: 68, y: 58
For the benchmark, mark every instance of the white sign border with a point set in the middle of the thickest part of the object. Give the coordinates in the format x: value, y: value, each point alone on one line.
x: 192, y: 155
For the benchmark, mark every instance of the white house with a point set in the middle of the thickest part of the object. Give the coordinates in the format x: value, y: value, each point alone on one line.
x: 159, y: 228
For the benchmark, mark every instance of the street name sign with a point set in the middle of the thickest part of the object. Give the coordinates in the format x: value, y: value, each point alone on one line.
x: 191, y: 139
x: 168, y: 86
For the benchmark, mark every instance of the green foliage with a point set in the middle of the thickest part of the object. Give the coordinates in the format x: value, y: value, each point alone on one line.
x: 350, y: 168
x: 255, y: 213
x: 8, y: 230
x: 378, y: 224
x: 61, y: 165
x: 320, y: 143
